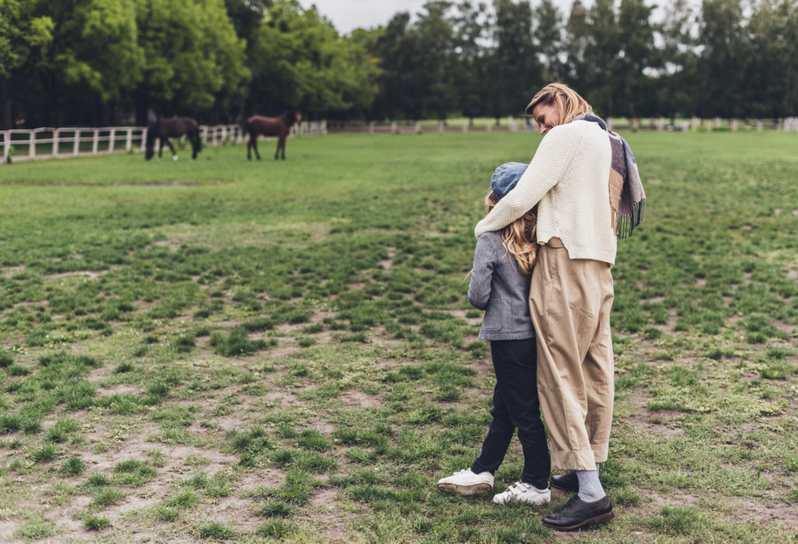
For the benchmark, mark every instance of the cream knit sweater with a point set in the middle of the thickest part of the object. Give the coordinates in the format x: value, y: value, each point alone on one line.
x: 569, y: 180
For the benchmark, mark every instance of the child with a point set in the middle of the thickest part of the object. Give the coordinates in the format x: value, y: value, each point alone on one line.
x: 503, y: 262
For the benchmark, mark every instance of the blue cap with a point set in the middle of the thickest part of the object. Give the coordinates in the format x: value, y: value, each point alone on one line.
x: 506, y: 177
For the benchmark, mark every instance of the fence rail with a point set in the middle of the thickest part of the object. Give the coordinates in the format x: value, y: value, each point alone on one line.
x: 47, y: 143
x: 50, y: 143
x: 658, y: 124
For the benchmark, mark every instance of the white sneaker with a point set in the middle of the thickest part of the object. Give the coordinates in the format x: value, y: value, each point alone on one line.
x: 522, y: 492
x: 466, y: 482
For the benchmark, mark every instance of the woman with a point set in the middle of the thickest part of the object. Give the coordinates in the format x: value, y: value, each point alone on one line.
x: 584, y: 181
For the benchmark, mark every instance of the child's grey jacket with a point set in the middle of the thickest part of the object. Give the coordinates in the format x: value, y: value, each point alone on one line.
x: 498, y: 287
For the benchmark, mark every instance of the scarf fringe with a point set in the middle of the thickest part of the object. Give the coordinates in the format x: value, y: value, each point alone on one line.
x: 627, y: 223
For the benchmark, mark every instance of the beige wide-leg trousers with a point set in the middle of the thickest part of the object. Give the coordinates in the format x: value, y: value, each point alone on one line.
x: 570, y: 303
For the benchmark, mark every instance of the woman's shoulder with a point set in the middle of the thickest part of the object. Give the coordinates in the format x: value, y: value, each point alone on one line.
x: 582, y: 133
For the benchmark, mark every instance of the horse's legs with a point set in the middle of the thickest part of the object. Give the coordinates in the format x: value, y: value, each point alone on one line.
x: 160, y: 148
x: 280, y: 141
x: 255, y: 144
x: 249, y: 148
x: 169, y: 143
x: 194, y: 145
x: 283, y: 146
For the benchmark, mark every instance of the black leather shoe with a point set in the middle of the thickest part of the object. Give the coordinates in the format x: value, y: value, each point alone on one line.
x: 567, y: 482
x: 578, y: 514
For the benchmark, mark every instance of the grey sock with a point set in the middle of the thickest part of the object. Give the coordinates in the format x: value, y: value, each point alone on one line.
x: 590, y: 489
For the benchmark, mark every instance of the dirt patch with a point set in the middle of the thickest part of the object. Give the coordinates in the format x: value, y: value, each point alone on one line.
x: 658, y: 422
x: 358, y: 398
x: 327, y: 514
x: 674, y: 499
x: 768, y: 513
x: 85, y: 273
x: 120, y: 390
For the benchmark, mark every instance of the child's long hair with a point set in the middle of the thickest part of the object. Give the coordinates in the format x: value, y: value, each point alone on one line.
x: 519, y: 237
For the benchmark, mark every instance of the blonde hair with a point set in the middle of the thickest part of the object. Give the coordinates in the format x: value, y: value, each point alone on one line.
x: 568, y: 101
x: 518, y: 238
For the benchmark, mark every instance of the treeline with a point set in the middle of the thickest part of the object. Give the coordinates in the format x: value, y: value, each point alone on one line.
x: 102, y: 62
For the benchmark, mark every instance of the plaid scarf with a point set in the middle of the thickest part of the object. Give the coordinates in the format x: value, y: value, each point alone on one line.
x: 627, y: 197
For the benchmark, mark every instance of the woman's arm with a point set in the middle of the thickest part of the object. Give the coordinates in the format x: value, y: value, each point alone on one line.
x: 547, y: 167
x: 482, y: 273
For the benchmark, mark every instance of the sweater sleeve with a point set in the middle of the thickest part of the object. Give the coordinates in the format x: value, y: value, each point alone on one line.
x: 547, y: 167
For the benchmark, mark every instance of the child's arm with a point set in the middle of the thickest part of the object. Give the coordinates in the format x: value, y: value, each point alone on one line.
x: 482, y: 273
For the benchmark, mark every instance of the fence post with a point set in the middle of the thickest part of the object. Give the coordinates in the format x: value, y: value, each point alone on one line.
x: 440, y: 126
x: 204, y: 135
x: 76, y: 142
x: 465, y: 127
x: 112, y: 141
x: 734, y: 125
x: 32, y: 144
x: 143, y: 139
x: 660, y: 124
x: 759, y: 125
x: 371, y: 127
x: 709, y: 125
x: 418, y: 127
x: 489, y: 127
x: 609, y: 124
x: 96, y: 142
x: 393, y: 127
x: 55, y: 141
x: 128, y: 140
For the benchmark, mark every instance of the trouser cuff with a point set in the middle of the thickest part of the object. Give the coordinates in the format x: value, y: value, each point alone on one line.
x: 574, y: 460
x: 601, y: 451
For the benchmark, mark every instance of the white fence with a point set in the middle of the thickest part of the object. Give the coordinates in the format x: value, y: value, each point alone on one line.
x: 50, y: 143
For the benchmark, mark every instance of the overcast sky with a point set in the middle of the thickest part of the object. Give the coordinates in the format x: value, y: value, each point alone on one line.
x: 347, y: 15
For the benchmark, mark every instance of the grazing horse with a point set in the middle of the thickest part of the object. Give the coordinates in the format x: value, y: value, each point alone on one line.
x: 270, y: 126
x: 173, y: 128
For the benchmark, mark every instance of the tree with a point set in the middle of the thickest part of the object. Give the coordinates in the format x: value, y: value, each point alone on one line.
x: 637, y: 55
x: 549, y: 38
x: 22, y: 34
x: 678, y: 73
x: 724, y: 58
x: 469, y: 29
x: 435, y: 33
x: 84, y: 54
x: 399, y: 53
x: 191, y: 52
x: 515, y: 70
x: 300, y: 61
x: 772, y: 80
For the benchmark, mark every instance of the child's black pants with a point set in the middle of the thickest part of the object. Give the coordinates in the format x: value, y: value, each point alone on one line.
x: 516, y: 405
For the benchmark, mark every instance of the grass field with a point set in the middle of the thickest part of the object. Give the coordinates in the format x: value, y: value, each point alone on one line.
x: 257, y: 351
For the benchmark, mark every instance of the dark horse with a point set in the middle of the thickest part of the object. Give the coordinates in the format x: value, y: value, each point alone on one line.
x: 270, y: 126
x: 173, y: 128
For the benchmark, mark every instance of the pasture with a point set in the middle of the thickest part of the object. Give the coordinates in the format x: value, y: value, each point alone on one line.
x: 260, y: 351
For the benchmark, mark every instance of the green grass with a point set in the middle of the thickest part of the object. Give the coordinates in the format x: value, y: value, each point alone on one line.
x: 178, y: 330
